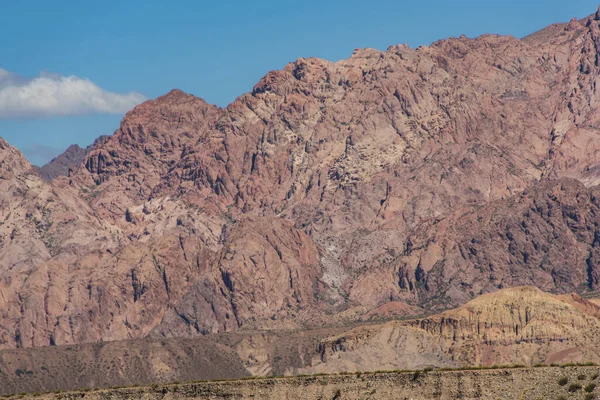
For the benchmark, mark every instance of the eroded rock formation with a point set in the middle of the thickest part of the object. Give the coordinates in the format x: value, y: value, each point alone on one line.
x: 417, y: 177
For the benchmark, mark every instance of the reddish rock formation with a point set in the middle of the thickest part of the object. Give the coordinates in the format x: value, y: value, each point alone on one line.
x: 426, y: 176
x: 547, y: 236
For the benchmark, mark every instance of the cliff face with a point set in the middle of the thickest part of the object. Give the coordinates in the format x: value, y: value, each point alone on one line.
x: 418, y: 177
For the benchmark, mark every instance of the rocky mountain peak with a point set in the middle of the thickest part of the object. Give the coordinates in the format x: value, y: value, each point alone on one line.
x: 177, y: 96
x: 12, y: 162
x: 70, y: 159
x: 176, y: 101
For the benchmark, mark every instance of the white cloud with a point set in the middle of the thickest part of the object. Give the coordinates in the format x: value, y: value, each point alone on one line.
x: 52, y: 95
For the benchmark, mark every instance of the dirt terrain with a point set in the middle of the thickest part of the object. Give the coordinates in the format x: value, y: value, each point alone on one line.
x: 497, y: 384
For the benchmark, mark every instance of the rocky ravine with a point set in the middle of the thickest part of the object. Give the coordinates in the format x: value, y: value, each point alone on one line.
x: 418, y: 177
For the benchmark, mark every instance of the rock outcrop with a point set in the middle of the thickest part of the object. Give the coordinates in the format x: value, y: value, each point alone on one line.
x: 513, y: 326
x: 547, y: 236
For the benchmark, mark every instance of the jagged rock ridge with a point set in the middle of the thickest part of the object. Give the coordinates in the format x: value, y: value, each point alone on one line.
x: 420, y: 177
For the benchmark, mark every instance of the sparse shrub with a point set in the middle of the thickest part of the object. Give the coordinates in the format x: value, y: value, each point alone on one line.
x: 427, y: 369
x: 128, y: 216
x: 337, y: 395
x: 561, y: 397
x: 574, y: 387
x: 581, y: 377
x: 562, y: 381
x: 538, y: 365
x: 381, y: 371
x: 416, y: 375
x: 589, y: 396
x: 590, y: 387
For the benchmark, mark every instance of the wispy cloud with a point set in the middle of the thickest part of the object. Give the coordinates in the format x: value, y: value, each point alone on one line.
x: 52, y: 95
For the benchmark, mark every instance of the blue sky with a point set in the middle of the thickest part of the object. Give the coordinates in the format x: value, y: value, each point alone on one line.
x: 95, y: 60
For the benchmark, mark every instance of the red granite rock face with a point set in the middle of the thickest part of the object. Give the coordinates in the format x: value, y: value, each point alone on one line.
x: 392, y: 176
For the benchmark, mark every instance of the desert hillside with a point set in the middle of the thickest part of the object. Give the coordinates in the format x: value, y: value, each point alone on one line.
x: 501, y: 384
x: 513, y: 326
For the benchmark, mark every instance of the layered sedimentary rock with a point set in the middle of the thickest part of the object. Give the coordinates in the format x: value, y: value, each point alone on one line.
x: 513, y: 326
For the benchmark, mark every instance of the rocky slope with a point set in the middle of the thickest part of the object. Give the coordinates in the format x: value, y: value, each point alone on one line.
x: 519, y: 325
x: 48, y: 237
x: 406, y: 179
x: 547, y: 236
x: 101, y: 365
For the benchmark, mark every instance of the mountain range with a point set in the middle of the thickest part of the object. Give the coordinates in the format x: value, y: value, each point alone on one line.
x: 395, y: 184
